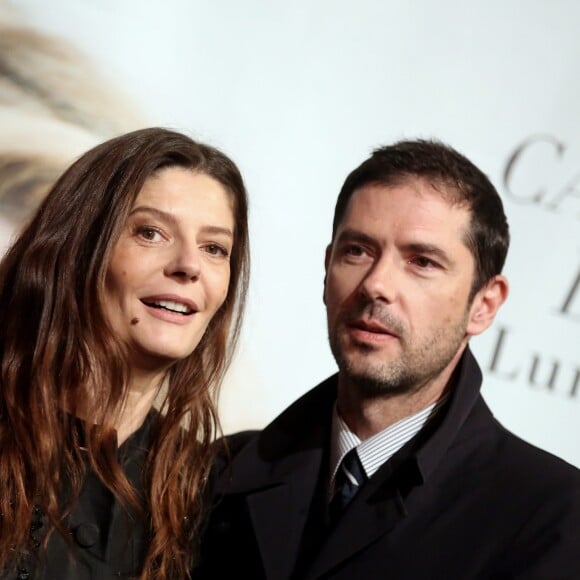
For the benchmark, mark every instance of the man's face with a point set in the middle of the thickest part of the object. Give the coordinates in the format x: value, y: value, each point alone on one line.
x: 398, y: 279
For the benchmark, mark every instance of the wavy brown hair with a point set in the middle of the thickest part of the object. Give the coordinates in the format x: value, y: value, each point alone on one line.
x: 56, y: 344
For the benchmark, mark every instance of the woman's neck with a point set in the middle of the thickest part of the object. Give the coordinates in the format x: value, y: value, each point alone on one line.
x: 143, y: 390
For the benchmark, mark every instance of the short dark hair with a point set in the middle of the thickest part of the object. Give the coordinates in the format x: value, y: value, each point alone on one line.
x: 455, y: 177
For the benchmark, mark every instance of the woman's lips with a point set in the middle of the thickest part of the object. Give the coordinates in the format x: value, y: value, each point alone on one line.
x: 172, y: 303
x: 170, y: 308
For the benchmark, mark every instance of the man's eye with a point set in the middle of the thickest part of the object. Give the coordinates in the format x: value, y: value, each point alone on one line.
x: 354, y: 250
x: 423, y: 262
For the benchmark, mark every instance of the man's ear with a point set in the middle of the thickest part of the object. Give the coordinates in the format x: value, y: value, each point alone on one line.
x: 486, y: 304
x: 326, y: 264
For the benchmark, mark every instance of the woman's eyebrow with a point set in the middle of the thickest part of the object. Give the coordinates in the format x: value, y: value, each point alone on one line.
x: 170, y: 218
x: 160, y: 214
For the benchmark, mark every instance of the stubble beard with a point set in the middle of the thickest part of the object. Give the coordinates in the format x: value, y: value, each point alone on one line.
x: 417, y: 364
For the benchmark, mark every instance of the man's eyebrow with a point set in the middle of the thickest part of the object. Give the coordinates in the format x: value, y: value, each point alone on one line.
x: 352, y: 235
x: 429, y: 250
x: 171, y: 219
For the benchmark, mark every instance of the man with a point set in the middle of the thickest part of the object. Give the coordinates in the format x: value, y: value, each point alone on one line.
x: 435, y: 486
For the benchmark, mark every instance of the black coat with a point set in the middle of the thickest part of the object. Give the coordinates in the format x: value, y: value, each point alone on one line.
x: 464, y: 499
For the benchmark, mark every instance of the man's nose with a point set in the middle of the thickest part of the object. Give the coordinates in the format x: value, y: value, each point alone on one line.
x: 380, y: 282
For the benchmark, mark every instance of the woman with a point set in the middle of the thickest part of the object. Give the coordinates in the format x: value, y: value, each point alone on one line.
x: 127, y: 286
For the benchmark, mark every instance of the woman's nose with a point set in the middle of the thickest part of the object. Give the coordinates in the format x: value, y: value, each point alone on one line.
x: 185, y: 264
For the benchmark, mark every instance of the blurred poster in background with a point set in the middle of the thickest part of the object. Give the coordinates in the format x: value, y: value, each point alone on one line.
x: 298, y: 95
x: 54, y: 105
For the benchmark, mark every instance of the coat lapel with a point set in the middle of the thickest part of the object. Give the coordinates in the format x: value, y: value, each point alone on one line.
x: 279, y: 472
x: 375, y: 511
x: 279, y: 515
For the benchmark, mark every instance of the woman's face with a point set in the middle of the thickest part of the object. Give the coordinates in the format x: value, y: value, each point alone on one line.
x: 170, y: 269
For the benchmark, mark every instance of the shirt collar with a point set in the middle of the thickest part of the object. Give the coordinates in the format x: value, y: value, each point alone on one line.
x: 378, y: 449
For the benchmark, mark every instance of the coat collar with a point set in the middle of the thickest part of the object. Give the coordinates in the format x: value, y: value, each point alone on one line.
x: 464, y: 393
x: 291, y: 444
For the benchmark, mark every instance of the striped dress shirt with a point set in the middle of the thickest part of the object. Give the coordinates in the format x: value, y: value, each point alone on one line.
x: 379, y: 448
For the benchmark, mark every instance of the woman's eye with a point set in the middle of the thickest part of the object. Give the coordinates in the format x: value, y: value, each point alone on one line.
x: 216, y: 250
x: 149, y: 233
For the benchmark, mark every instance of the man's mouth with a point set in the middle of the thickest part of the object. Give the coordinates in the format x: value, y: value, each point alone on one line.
x: 170, y: 305
x: 371, y: 326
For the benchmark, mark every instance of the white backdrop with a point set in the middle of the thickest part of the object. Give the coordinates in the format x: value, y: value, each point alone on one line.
x: 298, y: 93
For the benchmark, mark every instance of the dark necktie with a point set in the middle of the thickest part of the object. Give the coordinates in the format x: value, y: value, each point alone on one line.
x: 349, y: 477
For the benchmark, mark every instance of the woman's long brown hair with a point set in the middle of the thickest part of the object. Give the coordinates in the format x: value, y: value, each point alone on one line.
x: 56, y: 345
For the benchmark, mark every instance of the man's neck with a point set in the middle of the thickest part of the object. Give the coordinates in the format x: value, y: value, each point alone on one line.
x: 367, y: 414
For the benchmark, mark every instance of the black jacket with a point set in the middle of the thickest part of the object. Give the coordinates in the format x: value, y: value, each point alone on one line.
x: 464, y: 499
x: 104, y: 542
